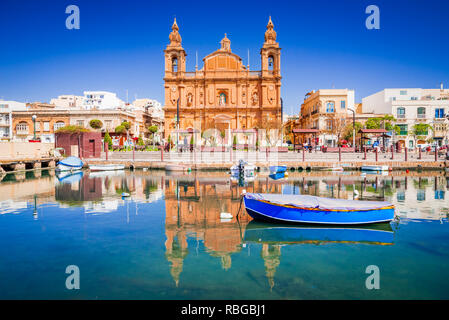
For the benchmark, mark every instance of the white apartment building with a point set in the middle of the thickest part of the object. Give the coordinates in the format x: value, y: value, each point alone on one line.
x: 150, y: 106
x: 6, y: 108
x: 411, y: 106
x: 68, y: 101
x: 101, y: 100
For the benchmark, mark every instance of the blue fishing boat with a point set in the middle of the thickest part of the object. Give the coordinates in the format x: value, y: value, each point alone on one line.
x: 288, y: 208
x: 259, y: 232
x: 70, y: 164
x: 277, y: 169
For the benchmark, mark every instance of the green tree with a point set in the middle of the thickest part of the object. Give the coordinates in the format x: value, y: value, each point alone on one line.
x: 347, y: 134
x: 140, y: 141
x: 107, y: 138
x: 152, y: 130
x: 120, y: 129
x: 420, y: 131
x: 126, y: 124
x: 95, y: 124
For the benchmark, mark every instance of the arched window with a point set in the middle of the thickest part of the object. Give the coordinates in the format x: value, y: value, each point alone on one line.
x: 270, y: 63
x: 58, y: 125
x: 330, y: 107
x: 174, y: 64
x: 22, y: 127
x: 401, y: 113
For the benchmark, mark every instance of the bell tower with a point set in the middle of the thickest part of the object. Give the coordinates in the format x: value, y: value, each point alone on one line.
x: 270, y: 53
x: 175, y: 56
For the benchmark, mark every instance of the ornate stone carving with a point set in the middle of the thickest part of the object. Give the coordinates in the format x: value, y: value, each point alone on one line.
x: 175, y: 37
x: 255, y: 98
x: 225, y: 44
x: 270, y: 34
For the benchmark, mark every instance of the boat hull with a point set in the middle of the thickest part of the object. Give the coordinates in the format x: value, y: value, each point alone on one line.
x: 375, y: 168
x: 270, y: 212
x: 63, y: 167
x: 174, y: 167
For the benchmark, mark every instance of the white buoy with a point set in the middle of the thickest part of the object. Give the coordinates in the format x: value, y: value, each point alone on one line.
x: 125, y: 194
x: 356, y: 193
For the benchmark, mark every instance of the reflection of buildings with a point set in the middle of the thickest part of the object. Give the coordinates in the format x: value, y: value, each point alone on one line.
x: 193, y: 206
x: 86, y: 189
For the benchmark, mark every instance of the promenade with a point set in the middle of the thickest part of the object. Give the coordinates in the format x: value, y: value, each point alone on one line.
x: 296, y: 160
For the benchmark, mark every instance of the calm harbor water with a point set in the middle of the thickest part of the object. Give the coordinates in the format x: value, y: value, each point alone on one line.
x: 167, y: 241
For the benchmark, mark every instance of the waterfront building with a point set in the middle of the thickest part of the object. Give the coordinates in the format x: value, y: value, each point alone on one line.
x: 48, y: 120
x: 68, y: 101
x: 152, y: 114
x: 291, y: 123
x: 6, y: 108
x: 327, y: 110
x: 224, y: 94
x: 101, y: 100
x: 411, y: 106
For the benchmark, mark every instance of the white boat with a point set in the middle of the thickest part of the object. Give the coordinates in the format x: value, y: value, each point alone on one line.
x: 243, y: 168
x: 375, y: 168
x: 176, y: 167
x: 69, y: 164
x: 106, y: 167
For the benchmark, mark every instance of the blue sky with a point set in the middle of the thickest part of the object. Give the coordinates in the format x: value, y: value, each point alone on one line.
x: 120, y: 44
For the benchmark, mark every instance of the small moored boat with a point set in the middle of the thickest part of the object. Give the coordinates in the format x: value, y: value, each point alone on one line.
x: 106, y: 167
x: 375, y: 168
x: 70, y: 164
x: 277, y: 169
x: 176, y: 167
x: 244, y: 169
x: 311, y: 209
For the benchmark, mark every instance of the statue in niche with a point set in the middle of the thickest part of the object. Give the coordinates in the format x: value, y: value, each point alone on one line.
x: 189, y: 99
x: 222, y: 100
x: 255, y: 98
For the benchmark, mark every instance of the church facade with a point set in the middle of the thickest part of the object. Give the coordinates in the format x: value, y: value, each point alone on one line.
x: 225, y: 94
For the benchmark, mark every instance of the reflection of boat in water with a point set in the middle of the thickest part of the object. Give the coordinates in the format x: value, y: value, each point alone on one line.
x: 259, y: 232
x: 277, y: 176
x: 69, y: 177
x: 70, y: 164
x: 288, y: 208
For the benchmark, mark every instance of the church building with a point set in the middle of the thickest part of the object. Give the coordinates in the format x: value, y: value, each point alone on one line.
x: 225, y: 94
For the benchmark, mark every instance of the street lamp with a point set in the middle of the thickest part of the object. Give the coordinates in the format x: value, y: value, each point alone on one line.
x: 353, y: 127
x: 34, y: 125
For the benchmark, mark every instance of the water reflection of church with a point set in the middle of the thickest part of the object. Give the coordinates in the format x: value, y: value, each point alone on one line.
x: 193, y: 207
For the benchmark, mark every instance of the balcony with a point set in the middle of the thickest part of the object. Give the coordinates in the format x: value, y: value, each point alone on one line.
x: 400, y: 116
x: 421, y: 116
